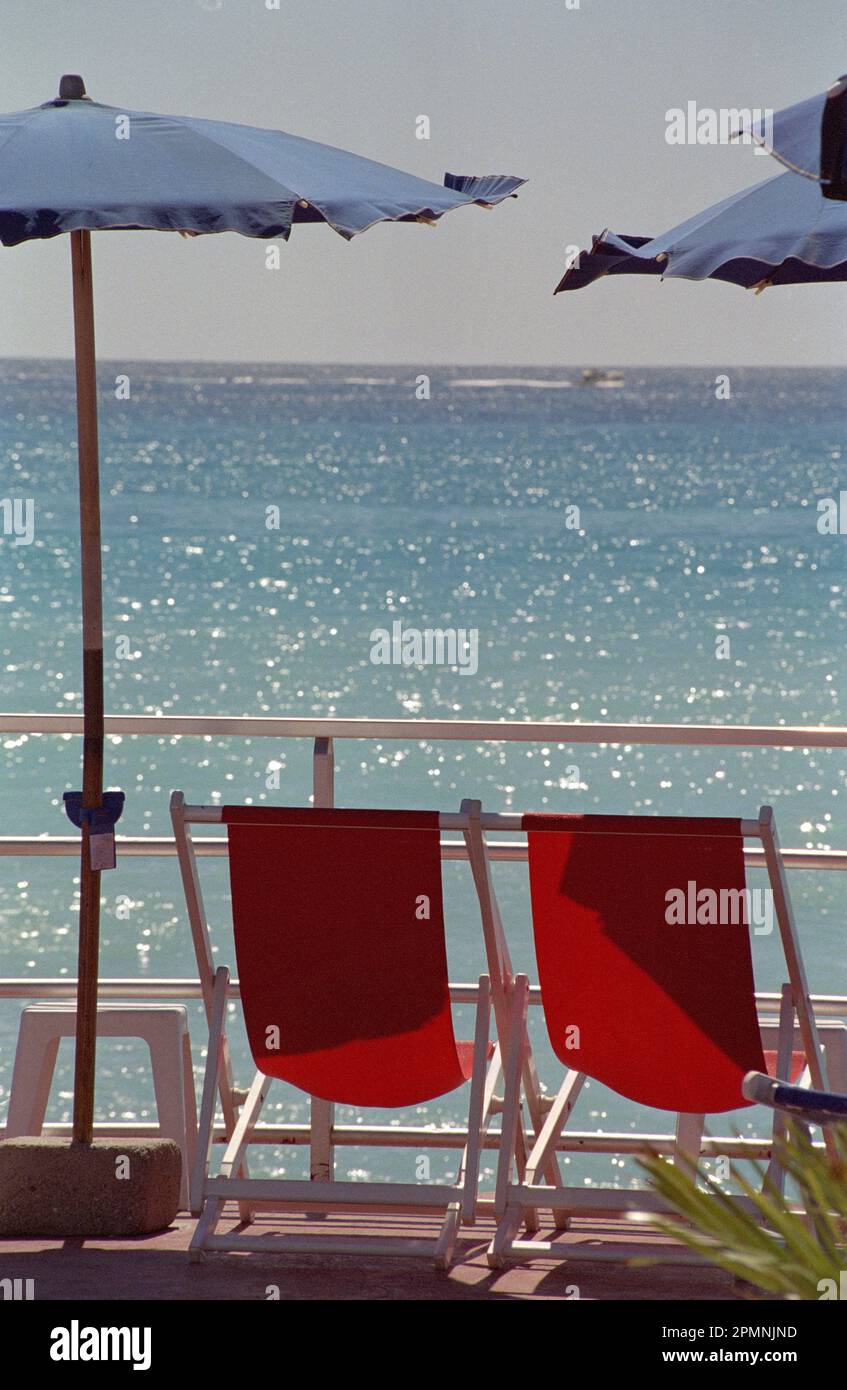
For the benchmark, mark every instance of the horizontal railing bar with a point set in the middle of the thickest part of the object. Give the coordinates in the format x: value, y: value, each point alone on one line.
x: 64, y: 987
x: 139, y: 846
x: 498, y: 822
x: 409, y: 1136
x: 61, y: 987
x: 468, y: 730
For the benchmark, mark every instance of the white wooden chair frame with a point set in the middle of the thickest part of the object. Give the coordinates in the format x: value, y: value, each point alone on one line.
x: 242, y: 1109
x: 458, y: 1201
x: 513, y: 1200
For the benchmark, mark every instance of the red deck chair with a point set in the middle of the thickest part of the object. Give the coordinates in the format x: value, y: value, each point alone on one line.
x: 340, y: 946
x: 642, y: 942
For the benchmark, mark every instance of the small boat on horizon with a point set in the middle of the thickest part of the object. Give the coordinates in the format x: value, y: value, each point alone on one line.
x: 599, y: 376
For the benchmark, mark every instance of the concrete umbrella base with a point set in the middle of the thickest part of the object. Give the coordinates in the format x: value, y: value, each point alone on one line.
x: 56, y: 1187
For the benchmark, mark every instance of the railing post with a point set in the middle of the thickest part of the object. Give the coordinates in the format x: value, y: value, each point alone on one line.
x: 321, y: 1152
x: 323, y: 772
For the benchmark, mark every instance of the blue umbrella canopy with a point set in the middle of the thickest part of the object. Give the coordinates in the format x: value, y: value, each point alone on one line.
x: 781, y: 232
x: 75, y: 164
x: 810, y: 138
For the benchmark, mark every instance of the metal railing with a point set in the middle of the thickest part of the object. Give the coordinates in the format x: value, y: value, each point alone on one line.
x: 430, y: 1136
x: 323, y: 732
x: 466, y: 730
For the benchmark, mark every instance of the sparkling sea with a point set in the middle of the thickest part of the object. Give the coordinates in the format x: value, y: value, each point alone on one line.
x: 697, y: 520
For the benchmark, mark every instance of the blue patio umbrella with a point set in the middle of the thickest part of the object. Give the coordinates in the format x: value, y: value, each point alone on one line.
x: 781, y: 232
x: 810, y: 138
x: 75, y: 165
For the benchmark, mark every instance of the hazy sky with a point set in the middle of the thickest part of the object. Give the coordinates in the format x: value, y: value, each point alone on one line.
x: 573, y: 99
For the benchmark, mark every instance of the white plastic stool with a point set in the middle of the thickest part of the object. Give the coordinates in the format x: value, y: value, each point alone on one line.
x: 164, y: 1028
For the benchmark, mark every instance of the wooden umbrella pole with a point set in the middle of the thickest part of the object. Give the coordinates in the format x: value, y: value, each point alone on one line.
x: 92, y: 677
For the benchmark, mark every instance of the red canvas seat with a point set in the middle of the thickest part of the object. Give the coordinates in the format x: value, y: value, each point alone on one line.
x: 341, y: 955
x: 662, y: 1012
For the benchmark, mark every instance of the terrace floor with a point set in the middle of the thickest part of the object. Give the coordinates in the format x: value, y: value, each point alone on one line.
x: 157, y: 1268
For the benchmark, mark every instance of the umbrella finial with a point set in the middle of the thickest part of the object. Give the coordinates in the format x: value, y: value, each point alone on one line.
x: 72, y: 87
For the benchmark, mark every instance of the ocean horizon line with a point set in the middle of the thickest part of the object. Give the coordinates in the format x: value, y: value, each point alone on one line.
x: 420, y: 365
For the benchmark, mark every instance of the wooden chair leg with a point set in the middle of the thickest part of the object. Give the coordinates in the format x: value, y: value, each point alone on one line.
x: 545, y: 1144
x: 446, y: 1243
x: 512, y: 1080
x: 205, y: 1227
x: 775, y: 1175
x: 210, y: 1090
x: 468, y: 1178
x: 507, y: 1228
